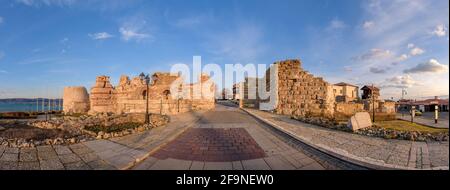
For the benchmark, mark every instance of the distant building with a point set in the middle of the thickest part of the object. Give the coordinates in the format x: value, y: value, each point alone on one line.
x: 237, y: 91
x: 367, y: 92
x: 344, y: 92
x: 427, y: 105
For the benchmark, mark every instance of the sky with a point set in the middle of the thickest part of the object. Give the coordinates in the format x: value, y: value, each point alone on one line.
x: 394, y: 44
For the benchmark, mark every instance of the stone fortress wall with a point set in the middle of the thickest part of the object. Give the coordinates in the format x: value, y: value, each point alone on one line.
x: 76, y: 99
x: 296, y: 92
x: 167, y: 94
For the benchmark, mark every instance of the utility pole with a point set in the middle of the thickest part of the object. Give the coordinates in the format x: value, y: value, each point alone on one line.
x: 373, y: 104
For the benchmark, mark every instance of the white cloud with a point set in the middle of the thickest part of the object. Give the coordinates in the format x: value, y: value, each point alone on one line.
x: 402, y: 57
x: 130, y: 34
x: 410, y: 45
x: 405, y: 81
x: 100, y: 36
x: 378, y: 70
x: 376, y: 54
x: 39, y: 3
x: 432, y: 66
x: 368, y: 24
x: 64, y: 40
x: 135, y: 29
x: 440, y: 30
x: 336, y: 24
x: 416, y: 51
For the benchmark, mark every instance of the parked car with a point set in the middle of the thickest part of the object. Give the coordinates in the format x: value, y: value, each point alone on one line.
x: 418, y: 113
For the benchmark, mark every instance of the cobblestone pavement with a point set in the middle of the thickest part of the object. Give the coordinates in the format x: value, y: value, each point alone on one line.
x: 117, y: 153
x: 230, y: 139
x: 371, y: 152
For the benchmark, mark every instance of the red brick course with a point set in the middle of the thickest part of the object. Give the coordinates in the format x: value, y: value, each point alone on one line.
x: 212, y: 145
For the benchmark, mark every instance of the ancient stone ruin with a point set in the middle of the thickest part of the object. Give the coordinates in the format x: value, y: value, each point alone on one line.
x: 167, y: 94
x: 76, y: 100
x: 296, y: 92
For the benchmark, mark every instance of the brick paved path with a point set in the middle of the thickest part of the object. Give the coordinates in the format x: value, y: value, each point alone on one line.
x: 230, y: 139
x: 372, y: 152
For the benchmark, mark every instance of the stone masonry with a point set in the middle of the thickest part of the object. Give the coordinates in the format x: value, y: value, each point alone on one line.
x: 291, y: 90
x: 167, y: 94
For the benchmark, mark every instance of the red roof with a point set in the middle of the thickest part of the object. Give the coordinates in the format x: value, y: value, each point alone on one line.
x: 425, y: 102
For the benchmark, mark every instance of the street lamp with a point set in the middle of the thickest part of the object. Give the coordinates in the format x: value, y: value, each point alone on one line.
x: 147, y: 82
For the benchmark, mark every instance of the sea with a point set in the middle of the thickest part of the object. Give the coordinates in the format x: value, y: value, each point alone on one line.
x: 28, y: 107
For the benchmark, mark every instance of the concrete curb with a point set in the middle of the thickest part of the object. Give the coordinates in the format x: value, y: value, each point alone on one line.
x: 340, y: 154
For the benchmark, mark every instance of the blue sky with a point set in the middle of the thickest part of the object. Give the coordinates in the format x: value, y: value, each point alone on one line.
x: 48, y: 44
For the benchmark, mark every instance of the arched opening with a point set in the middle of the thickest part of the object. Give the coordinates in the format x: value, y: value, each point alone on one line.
x: 144, y: 94
x: 166, y: 94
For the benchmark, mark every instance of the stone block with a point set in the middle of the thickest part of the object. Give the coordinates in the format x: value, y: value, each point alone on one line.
x: 359, y: 121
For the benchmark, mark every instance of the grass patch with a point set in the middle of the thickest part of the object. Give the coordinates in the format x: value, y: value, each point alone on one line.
x: 400, y: 125
x: 112, y: 128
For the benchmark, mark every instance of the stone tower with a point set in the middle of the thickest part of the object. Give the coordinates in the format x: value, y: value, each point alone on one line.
x: 75, y: 100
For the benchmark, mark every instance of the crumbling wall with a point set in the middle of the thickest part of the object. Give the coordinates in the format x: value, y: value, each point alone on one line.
x: 302, y: 94
x: 75, y: 100
x: 387, y: 107
x: 348, y: 109
x: 167, y: 94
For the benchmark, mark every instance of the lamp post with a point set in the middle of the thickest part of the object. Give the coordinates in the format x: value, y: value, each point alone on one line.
x: 147, y: 82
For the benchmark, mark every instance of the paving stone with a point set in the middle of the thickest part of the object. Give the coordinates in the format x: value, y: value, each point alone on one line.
x: 121, y: 161
x: 51, y: 164
x: 277, y: 163
x: 77, y: 166
x: 196, y: 165
x: 6, y: 165
x: 69, y: 158
x: 46, y: 154
x: 12, y: 150
x: 89, y: 157
x: 218, y: 166
x: 100, y: 165
x: 237, y: 165
x: 146, y: 164
x: 28, y: 165
x: 171, y: 164
x: 9, y: 157
x: 81, y: 150
x: 28, y: 155
x: 61, y: 150
x: 255, y: 164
